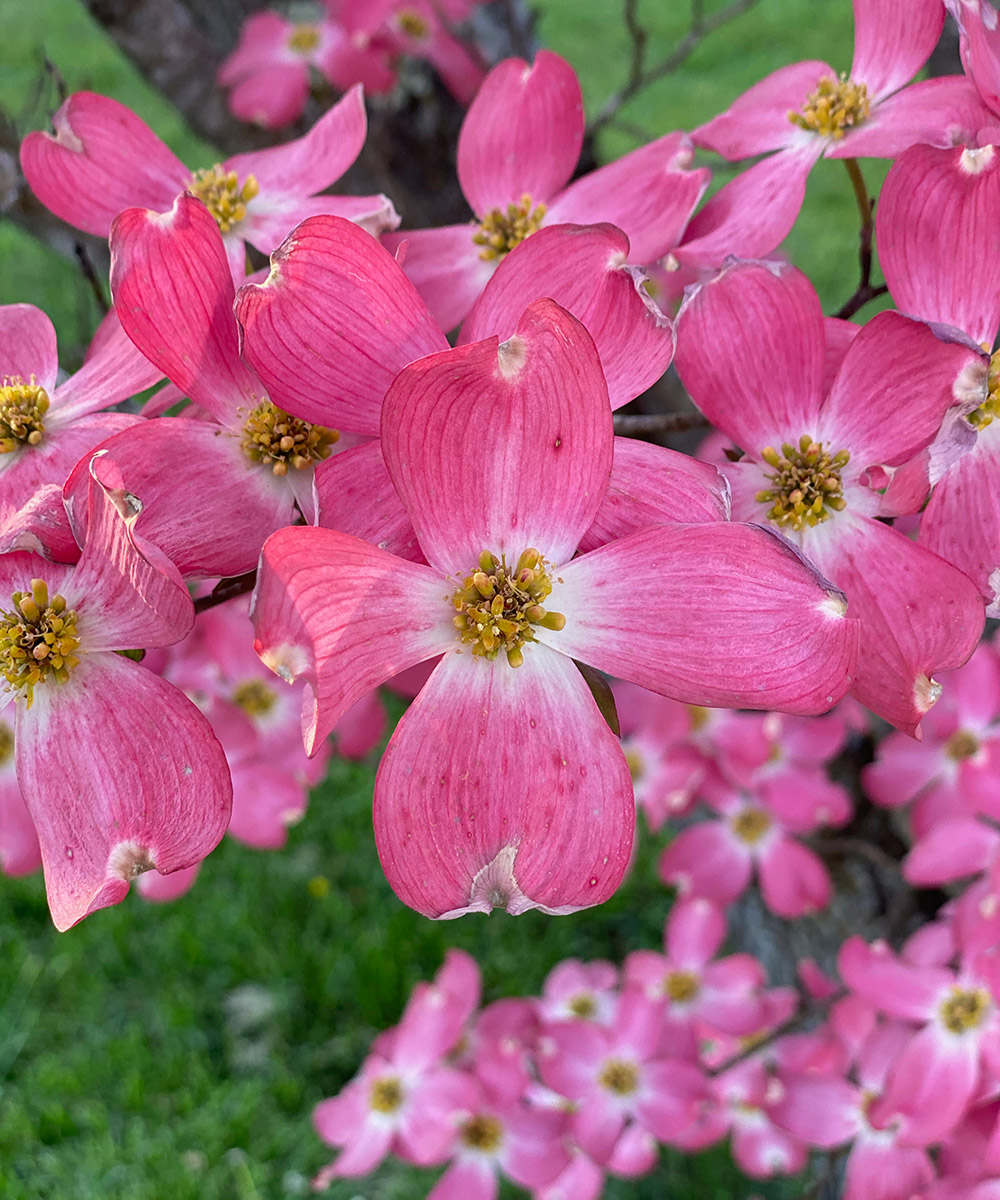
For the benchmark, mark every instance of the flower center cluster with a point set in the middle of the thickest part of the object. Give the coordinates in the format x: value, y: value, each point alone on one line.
x: 37, y: 639
x: 303, y: 40
x: 619, y: 1076
x: 483, y: 1132
x: 750, y: 825
x: 583, y: 1006
x: 272, y: 437
x: 961, y: 745
x: 498, y: 606
x: 22, y: 409
x: 806, y: 484
x: 836, y: 106
x: 6, y: 744
x: 682, y: 986
x: 413, y: 24
x: 965, y: 1009
x: 221, y: 193
x: 255, y: 697
x: 990, y: 407
x: 386, y: 1095
x: 503, y: 229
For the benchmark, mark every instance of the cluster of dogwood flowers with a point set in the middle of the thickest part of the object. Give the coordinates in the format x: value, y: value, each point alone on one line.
x: 344, y: 42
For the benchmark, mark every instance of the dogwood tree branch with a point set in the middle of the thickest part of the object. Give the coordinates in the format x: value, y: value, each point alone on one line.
x: 865, y: 291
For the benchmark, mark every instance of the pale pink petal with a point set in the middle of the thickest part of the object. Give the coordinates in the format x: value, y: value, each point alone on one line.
x: 446, y: 268
x: 522, y: 134
x: 802, y: 797
x: 695, y: 931
x: 333, y: 325
x: 466, y: 1179
x: 758, y: 120
x: 651, y: 485
x: 647, y: 193
x: 918, y: 614
x: 355, y: 495
x: 344, y: 616
x: 635, y: 1153
x: 741, y: 620
x: 271, y: 219
x: 597, y: 1125
x: 28, y: 345
x: 102, y: 159
x: 364, y: 1151
x: 936, y: 211
x: 953, y: 849
x: 540, y: 403
x: 839, y: 336
x: 39, y: 526
x: 762, y: 1151
x: 903, y: 767
x: 111, y: 795
x: 361, y: 728
x: 503, y: 788
x: 19, y: 850
x: 429, y: 1125
x: 174, y: 294
x: 930, y: 1085
x: 273, y: 97
x: 309, y: 164
x: 670, y: 1098
x: 980, y: 48
x: 878, y: 1170
x: 892, y: 43
x: 582, y: 1180
x: 793, y: 879
x: 161, y: 889
x: 894, y: 987
x: 767, y: 318
x: 706, y: 861
x: 344, y: 62
x: 263, y: 40
x: 823, y: 1112
x: 113, y: 372
x: 266, y: 801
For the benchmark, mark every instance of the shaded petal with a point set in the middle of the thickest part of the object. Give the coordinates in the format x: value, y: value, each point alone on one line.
x: 503, y: 788
x: 266, y: 800
x: 113, y: 371
x: 539, y: 402
x: 672, y: 1093
x: 522, y: 134
x: 446, y: 268
x: 892, y: 986
x: 706, y: 861
x: 582, y: 268
x: 361, y: 728
x: 20, y: 853
x: 695, y: 931
x: 273, y: 97
x: 263, y: 41
x: 173, y: 290
x: 980, y: 46
x: 270, y: 221
x: 356, y: 496
x: 823, y: 1112
x: 793, y: 879
x: 651, y: 485
x: 766, y: 318
x: 718, y: 615
x: 39, y: 526
x: 345, y: 616
x: 918, y: 614
x: 28, y: 345
x: 892, y: 43
x: 930, y: 1084
x: 334, y: 323
x: 111, y: 793
x: 102, y: 159
x: 954, y: 849
x: 466, y: 1179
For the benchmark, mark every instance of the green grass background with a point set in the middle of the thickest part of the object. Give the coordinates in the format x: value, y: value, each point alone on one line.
x: 176, y: 1051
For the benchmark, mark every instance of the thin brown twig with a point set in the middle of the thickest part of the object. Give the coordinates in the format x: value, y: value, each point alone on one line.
x: 91, y: 276
x: 226, y: 589
x: 812, y: 1010
x: 640, y: 75
x: 864, y: 292
x: 635, y: 426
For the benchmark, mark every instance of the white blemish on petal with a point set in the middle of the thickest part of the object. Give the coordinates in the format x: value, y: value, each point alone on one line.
x: 285, y: 660
x: 834, y: 604
x: 511, y: 356
x: 974, y: 161
x: 926, y: 693
x: 993, y: 609
x: 127, y: 860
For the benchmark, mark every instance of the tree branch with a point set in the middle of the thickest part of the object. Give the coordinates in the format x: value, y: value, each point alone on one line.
x: 671, y: 422
x: 864, y: 291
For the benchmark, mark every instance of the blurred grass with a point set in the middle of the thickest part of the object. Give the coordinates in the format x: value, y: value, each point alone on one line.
x: 176, y: 1051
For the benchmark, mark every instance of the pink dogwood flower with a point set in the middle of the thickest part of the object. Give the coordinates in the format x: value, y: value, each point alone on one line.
x: 980, y: 46
x: 481, y: 793
x: 587, y: 991
x: 103, y: 159
x: 517, y: 149
x: 810, y: 454
x: 119, y: 770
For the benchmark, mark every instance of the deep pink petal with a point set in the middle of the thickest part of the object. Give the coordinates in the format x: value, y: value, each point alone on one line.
x: 361, y: 728
x: 892, y: 43
x: 333, y: 325
x: 272, y: 98
x: 356, y: 496
x: 446, y: 268
x: 110, y: 792
x: 522, y: 134
x: 503, y: 788
x: 174, y: 294
x: 28, y: 345
x: 648, y: 193
x: 113, y: 372
x: 345, y: 616
x: 651, y: 485
x: 311, y: 163
x: 741, y: 621
x: 918, y: 614
x: 706, y: 861
x: 793, y: 879
x: 768, y: 319
x: 39, y: 526
x: 953, y: 849
x: 102, y: 159
x: 539, y: 402
x: 980, y: 46
x: 758, y: 120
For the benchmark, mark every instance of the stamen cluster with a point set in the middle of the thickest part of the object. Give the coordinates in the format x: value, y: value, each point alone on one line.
x: 386, y: 1095
x: 255, y: 697
x: 303, y: 40
x: 619, y: 1076
x: 503, y: 229
x: 412, y: 24
x: 483, y: 1132
x: 498, y: 606
x: 22, y: 409
x: 990, y: 407
x: 807, y: 483
x: 965, y: 1009
x: 751, y: 825
x: 274, y: 438
x: 223, y: 195
x: 37, y: 639
x: 836, y: 106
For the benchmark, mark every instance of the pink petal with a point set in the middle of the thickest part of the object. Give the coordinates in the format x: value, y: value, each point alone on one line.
x: 503, y: 788
x: 648, y: 194
x: 111, y: 795
x: 671, y: 1097
x: 102, y: 159
x: 918, y: 614
x: 583, y: 270
x: 953, y: 849
x: 309, y: 164
x: 461, y: 72
x: 651, y: 485
x: 364, y: 1151
x: 174, y: 294
x: 345, y: 63
x: 892, y: 44
x: 445, y: 267
x: 741, y: 620
x: 582, y: 1180
x: 333, y: 325
x: 598, y: 1123
x: 769, y: 320
x: 272, y: 219
x: 263, y: 39
x: 266, y: 801
x: 314, y: 617
x: 821, y: 1112
x: 930, y: 1085
x: 793, y: 879
x: 926, y: 192
x: 707, y: 862
x: 19, y: 850
x: 540, y: 403
x: 635, y: 1153
x: 903, y: 767
x: 839, y: 336
x: 522, y: 134
x: 273, y: 97
x: 39, y: 526
x: 695, y: 931
x: 161, y: 889
x: 113, y: 372
x: 980, y: 48
x: 878, y: 1170
x: 356, y: 496
x: 28, y: 345
x: 892, y: 986
x: 466, y: 1179
x: 758, y: 120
